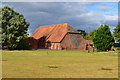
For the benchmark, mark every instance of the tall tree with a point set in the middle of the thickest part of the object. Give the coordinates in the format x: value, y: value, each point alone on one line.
x: 116, y: 32
x: 14, y: 28
x: 103, y: 39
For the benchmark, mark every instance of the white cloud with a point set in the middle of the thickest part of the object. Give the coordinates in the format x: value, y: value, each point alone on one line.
x: 76, y: 14
x: 104, y: 7
x: 108, y: 17
x: 60, y: 0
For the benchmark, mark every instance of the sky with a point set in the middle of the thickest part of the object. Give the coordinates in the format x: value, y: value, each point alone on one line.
x: 80, y: 15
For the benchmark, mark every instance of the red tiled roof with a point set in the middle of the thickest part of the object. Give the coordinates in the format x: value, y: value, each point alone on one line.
x: 53, y: 33
x: 89, y: 41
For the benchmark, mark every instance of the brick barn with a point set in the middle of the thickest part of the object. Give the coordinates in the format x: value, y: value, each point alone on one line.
x: 57, y: 36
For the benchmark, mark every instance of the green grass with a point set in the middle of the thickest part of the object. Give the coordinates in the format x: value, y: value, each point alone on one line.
x: 69, y: 63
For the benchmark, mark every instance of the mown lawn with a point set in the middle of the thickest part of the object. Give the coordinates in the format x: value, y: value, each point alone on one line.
x: 59, y: 64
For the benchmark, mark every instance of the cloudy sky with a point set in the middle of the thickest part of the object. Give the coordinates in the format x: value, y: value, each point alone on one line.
x: 80, y: 15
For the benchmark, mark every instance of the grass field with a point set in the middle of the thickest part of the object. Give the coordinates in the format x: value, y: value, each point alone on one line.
x: 59, y: 64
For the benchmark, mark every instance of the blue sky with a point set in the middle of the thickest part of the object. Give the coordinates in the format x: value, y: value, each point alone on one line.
x: 80, y: 15
x: 110, y: 7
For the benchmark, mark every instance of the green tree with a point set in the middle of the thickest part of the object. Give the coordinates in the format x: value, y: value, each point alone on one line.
x: 82, y: 32
x: 0, y: 27
x: 103, y: 39
x: 87, y: 37
x: 116, y: 32
x: 14, y: 29
x: 90, y: 35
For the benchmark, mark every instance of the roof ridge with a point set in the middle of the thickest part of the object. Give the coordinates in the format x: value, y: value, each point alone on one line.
x: 56, y: 24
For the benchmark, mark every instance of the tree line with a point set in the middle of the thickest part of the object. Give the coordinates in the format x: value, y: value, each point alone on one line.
x: 14, y: 32
x: 102, y: 37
